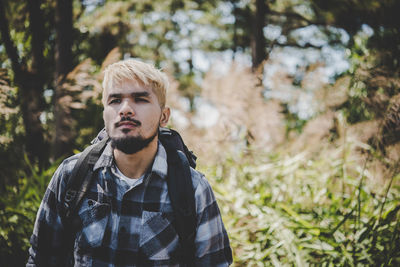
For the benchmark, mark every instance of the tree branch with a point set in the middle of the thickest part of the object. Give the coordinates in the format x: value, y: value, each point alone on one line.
x: 82, y: 9
x: 8, y: 43
x: 307, y: 45
x: 297, y: 16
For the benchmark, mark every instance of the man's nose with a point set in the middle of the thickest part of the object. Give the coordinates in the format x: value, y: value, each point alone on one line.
x: 126, y: 108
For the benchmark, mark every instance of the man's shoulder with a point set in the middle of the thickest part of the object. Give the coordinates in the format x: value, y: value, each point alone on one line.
x: 62, y: 173
x: 68, y: 164
x: 197, y: 177
x: 200, y: 182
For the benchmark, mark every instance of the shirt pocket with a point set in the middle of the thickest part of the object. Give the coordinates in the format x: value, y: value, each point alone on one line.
x: 94, y: 217
x: 158, y: 238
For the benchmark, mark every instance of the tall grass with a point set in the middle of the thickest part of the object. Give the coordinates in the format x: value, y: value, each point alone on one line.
x: 309, y: 209
x: 280, y: 209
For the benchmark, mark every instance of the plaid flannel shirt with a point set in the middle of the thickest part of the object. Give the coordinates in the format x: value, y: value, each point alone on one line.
x: 120, y: 225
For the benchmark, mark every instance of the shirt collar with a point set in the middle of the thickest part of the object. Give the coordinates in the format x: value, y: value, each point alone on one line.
x: 160, y: 166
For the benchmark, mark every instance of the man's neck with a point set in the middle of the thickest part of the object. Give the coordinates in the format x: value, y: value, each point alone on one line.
x: 135, y: 165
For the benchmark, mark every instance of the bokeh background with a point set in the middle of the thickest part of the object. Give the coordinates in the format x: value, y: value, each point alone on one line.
x: 292, y: 107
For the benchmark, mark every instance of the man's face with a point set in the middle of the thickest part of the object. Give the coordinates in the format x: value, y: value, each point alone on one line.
x: 132, y: 115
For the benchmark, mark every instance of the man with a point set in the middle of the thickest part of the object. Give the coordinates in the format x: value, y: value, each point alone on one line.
x: 116, y: 227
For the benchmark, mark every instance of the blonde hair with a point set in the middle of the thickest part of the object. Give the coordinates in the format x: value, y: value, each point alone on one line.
x: 139, y: 71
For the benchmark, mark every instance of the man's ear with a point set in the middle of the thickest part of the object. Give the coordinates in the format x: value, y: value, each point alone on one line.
x: 166, y: 112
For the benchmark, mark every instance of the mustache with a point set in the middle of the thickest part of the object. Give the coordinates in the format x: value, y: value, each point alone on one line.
x: 125, y: 118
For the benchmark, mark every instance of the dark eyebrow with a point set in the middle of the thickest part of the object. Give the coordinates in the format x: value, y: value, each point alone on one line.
x: 114, y: 96
x: 140, y: 94
x: 135, y: 94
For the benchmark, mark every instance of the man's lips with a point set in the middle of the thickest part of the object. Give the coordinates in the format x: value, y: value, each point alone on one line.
x: 127, y: 124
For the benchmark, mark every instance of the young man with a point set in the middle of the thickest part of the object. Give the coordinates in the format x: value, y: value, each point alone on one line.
x: 126, y: 218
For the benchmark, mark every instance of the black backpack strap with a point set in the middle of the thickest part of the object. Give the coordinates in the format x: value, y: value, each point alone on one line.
x: 173, y: 139
x: 81, y: 177
x: 181, y: 193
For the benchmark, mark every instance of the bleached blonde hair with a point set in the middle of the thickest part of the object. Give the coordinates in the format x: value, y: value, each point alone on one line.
x: 144, y: 73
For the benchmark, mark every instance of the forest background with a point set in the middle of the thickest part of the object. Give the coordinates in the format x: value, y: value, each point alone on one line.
x: 292, y: 107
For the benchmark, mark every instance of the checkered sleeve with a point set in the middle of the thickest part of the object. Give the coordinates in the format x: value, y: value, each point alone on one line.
x: 48, y: 239
x: 212, y: 243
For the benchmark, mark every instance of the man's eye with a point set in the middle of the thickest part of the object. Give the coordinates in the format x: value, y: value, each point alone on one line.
x: 115, y: 101
x: 141, y: 99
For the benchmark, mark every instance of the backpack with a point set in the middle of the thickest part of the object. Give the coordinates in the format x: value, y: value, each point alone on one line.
x: 180, y: 187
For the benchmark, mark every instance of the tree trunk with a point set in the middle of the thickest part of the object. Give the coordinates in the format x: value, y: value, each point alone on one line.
x: 30, y: 95
x: 258, y: 43
x: 29, y: 81
x: 235, y: 38
x: 64, y: 133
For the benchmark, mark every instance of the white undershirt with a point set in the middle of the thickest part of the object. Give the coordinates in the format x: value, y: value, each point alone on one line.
x: 130, y: 181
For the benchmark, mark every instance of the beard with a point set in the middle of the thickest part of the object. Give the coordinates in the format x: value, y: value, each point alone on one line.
x: 132, y: 144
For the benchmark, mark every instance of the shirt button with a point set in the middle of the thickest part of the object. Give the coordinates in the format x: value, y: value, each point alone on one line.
x: 90, y: 202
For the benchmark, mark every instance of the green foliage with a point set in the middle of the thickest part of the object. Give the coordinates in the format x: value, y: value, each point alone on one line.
x: 373, y: 83
x: 11, y: 132
x: 356, y: 111
x: 292, y: 121
x: 18, y: 206
x: 380, y: 15
x: 18, y: 20
x: 308, y: 209
x: 90, y: 123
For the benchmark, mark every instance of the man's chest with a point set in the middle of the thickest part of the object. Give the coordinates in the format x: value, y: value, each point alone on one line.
x: 126, y: 225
